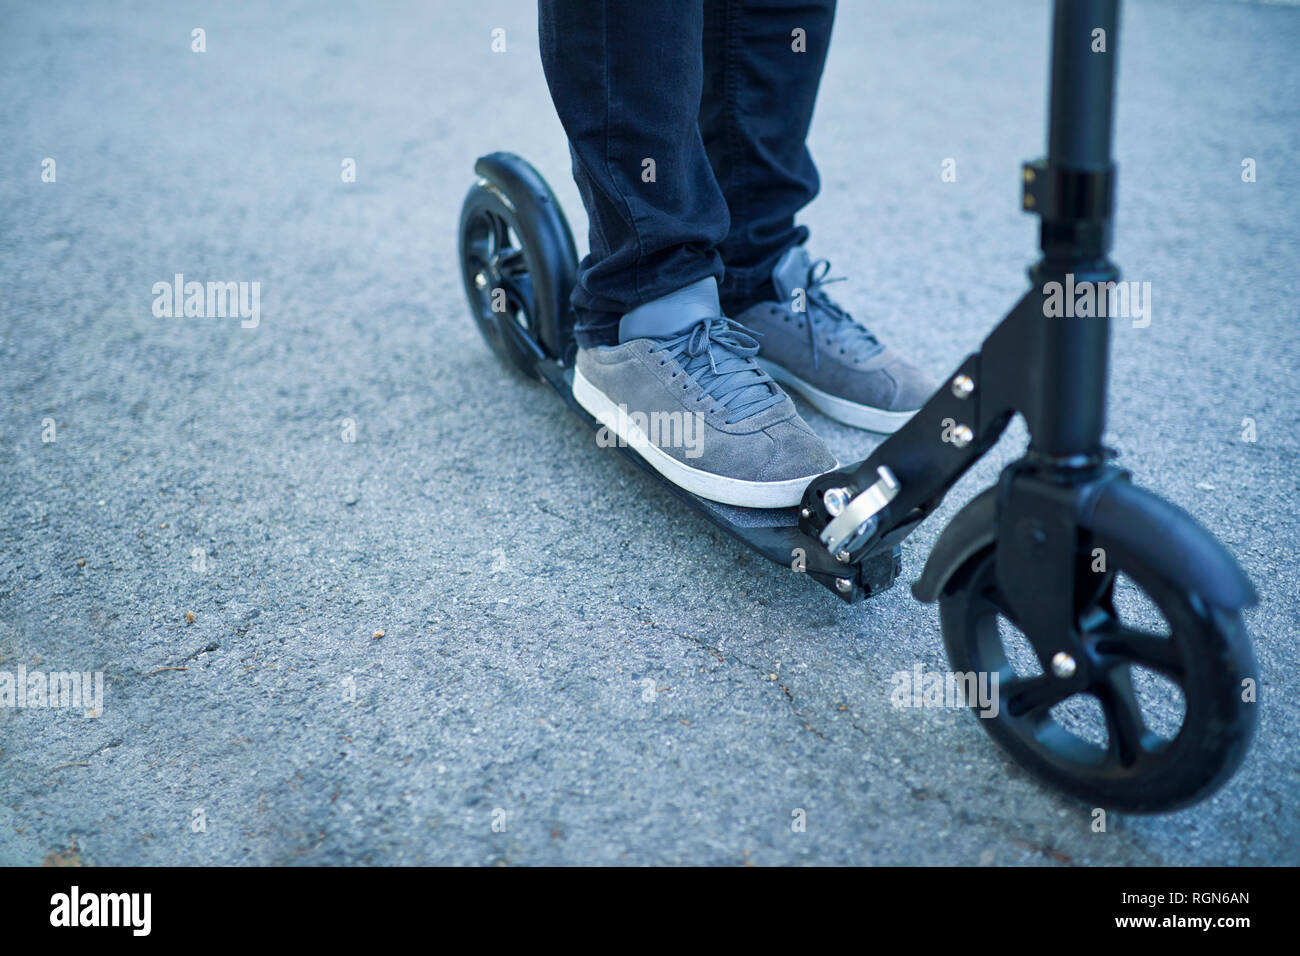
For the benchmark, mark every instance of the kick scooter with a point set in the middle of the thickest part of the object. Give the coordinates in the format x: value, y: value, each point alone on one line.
x: 1039, y: 553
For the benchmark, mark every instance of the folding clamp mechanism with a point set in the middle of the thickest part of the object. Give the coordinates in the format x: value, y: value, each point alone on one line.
x: 1061, y: 193
x: 853, y: 521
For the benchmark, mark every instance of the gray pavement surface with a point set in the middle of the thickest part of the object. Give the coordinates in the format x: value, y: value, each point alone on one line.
x: 530, y: 586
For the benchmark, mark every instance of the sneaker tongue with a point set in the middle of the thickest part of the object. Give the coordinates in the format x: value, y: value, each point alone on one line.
x: 791, y: 272
x: 672, y: 314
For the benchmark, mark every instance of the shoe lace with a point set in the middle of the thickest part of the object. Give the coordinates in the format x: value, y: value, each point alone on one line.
x: 718, y: 355
x: 830, y: 319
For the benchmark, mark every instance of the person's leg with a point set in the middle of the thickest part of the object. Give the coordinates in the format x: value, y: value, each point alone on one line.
x: 763, y: 61
x: 626, y: 81
x: 653, y: 345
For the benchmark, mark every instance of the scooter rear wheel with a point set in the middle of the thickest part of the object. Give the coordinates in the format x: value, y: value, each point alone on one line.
x: 1136, y: 756
x: 498, y: 278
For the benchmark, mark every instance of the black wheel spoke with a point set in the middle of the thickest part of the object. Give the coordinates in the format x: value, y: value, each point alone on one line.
x: 1130, y: 739
x: 478, y: 252
x: 516, y: 291
x: 499, y: 230
x: 1128, y: 645
x: 1033, y: 696
x: 509, y: 262
x: 488, y: 242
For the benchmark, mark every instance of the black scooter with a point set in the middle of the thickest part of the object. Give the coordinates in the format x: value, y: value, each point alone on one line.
x: 1039, y: 553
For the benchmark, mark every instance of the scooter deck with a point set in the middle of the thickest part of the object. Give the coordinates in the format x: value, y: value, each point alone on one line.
x: 772, y: 532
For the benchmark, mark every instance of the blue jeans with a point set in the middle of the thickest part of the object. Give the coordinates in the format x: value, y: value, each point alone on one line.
x: 687, y: 122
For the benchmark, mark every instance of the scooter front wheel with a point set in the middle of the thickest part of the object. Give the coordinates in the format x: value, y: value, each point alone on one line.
x: 1156, y: 715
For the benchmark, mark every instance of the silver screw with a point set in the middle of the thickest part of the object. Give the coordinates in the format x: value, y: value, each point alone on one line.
x: 836, y: 500
x: 805, y: 513
x: 962, y: 386
x: 1063, y: 665
x: 843, y: 585
x: 480, y: 281
x: 962, y: 436
x: 842, y: 557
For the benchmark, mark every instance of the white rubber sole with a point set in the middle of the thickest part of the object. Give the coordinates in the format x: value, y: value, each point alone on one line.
x: 706, y: 484
x: 841, y: 409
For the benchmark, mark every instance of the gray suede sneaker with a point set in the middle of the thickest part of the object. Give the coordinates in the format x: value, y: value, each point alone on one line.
x: 683, y: 389
x: 825, y: 355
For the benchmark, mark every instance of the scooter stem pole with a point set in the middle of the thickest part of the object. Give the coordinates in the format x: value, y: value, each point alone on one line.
x: 1073, y: 192
x: 1081, y: 107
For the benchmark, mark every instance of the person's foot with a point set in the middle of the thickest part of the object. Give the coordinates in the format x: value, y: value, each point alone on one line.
x: 683, y: 389
x: 825, y: 355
